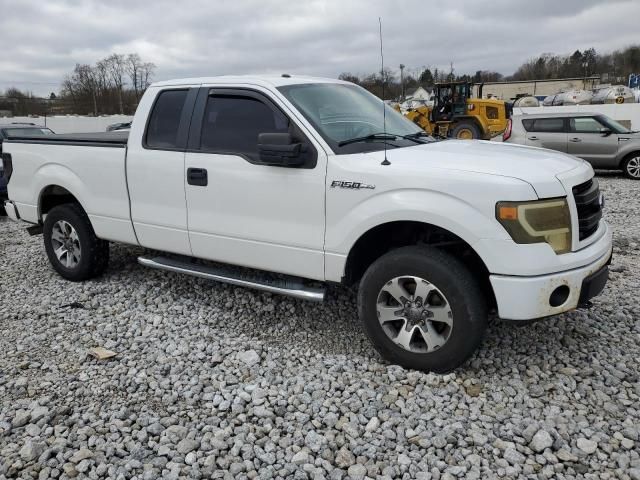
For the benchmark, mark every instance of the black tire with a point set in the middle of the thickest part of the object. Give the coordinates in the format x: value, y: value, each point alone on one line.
x: 94, y: 252
x: 630, y: 166
x: 462, y: 127
x: 451, y: 277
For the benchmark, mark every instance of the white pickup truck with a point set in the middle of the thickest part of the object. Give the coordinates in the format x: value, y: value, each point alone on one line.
x: 299, y: 181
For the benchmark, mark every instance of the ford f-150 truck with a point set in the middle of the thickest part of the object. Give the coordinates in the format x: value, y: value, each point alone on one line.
x: 289, y: 183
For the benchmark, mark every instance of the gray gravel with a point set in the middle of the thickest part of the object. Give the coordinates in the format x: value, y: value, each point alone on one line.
x: 217, y: 381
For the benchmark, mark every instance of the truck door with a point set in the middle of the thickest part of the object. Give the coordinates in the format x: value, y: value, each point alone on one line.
x: 243, y: 212
x: 587, y: 141
x: 155, y: 170
x: 546, y: 133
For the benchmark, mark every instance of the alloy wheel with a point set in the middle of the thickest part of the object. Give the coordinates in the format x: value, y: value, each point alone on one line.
x: 633, y: 167
x: 414, y: 314
x: 66, y: 244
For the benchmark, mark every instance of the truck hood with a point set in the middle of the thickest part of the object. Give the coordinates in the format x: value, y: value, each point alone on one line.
x: 537, y: 166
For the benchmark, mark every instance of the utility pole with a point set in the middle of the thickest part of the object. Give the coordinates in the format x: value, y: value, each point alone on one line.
x: 401, y: 82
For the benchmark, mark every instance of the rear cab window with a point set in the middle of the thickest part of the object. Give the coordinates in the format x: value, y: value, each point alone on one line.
x: 551, y: 125
x: 164, y: 121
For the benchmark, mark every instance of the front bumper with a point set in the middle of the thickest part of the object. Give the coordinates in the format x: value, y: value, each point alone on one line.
x: 526, y: 298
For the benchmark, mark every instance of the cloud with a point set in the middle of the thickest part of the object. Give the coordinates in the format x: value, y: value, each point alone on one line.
x: 42, y: 41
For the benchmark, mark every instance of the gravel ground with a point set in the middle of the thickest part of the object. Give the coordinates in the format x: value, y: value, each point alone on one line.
x: 217, y: 381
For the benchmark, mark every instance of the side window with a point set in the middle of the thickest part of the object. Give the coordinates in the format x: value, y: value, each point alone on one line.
x: 162, y: 129
x: 551, y: 125
x: 232, y: 124
x: 585, y: 125
x: 492, y: 113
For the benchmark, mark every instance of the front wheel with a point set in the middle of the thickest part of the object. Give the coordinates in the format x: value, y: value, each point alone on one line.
x: 422, y: 309
x: 71, y: 244
x: 466, y: 131
x: 631, y: 166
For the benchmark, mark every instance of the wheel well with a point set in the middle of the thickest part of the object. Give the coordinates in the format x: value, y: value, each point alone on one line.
x: 626, y: 157
x: 468, y: 119
x: 389, y: 236
x: 473, y: 122
x: 52, y: 196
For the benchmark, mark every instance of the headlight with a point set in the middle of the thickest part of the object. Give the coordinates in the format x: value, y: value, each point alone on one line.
x: 540, y: 221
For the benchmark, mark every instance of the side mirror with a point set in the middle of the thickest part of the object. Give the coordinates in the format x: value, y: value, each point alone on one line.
x: 279, y: 150
x: 605, y: 131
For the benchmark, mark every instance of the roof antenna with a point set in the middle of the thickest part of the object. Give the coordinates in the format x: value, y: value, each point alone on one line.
x: 384, y: 105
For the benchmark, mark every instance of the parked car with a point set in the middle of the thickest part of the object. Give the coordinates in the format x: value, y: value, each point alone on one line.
x: 596, y: 138
x: 119, y: 126
x: 302, y: 177
x: 17, y: 129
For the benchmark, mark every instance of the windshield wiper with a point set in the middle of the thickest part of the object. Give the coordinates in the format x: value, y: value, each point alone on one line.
x: 373, y: 136
x: 417, y: 137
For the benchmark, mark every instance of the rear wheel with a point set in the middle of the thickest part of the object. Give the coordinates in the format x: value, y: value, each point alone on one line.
x: 466, y: 131
x: 73, y: 249
x: 631, y: 166
x: 422, y: 309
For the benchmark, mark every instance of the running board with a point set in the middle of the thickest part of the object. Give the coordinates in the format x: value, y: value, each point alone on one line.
x: 291, y: 287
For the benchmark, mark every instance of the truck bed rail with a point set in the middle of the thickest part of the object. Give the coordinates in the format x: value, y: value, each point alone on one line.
x: 98, y: 139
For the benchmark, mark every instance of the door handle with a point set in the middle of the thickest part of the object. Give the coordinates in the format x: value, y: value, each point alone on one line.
x: 197, y: 177
x: 532, y: 138
x: 575, y: 140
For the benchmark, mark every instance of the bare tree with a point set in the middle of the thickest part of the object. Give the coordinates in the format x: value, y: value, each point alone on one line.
x: 133, y: 66
x: 69, y: 89
x: 146, y: 75
x: 113, y: 85
x: 103, y: 84
x: 115, y: 67
x: 140, y: 73
x: 85, y: 78
x: 349, y: 77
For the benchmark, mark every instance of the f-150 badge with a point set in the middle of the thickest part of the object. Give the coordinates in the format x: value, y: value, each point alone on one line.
x: 351, y: 185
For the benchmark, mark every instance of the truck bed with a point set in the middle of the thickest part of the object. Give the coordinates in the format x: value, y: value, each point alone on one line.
x: 98, y: 139
x: 90, y: 166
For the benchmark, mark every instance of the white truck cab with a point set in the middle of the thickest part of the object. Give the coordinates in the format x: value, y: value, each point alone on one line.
x: 300, y: 181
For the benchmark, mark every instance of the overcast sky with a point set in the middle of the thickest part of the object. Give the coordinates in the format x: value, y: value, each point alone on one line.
x: 43, y: 39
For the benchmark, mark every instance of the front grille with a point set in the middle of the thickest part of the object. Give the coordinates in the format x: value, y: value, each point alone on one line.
x: 587, y: 197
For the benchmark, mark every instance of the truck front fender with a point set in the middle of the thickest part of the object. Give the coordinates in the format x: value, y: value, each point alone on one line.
x: 428, y: 207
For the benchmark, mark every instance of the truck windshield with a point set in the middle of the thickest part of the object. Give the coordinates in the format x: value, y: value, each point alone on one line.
x: 343, y: 113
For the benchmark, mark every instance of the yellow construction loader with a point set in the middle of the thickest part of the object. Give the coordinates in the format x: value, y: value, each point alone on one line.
x: 457, y: 114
